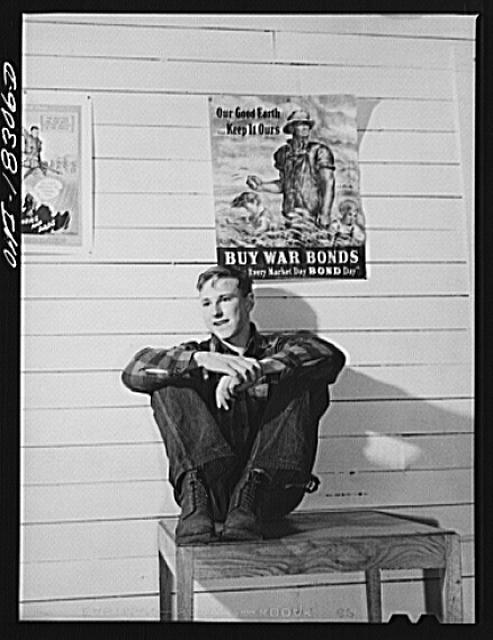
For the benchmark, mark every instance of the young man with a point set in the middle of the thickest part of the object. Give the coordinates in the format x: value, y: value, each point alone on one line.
x: 238, y: 413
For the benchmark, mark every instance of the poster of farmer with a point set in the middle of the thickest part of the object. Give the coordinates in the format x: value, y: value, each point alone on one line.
x: 286, y: 186
x: 56, y: 214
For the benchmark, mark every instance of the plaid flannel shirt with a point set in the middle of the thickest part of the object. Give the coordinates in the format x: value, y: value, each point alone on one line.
x: 299, y: 353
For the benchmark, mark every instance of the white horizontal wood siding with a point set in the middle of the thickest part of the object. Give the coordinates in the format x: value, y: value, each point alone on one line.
x: 94, y: 472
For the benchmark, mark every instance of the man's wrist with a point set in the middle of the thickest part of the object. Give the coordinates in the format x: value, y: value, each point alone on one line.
x: 198, y: 358
x: 271, y: 366
x: 266, y: 366
x: 263, y: 368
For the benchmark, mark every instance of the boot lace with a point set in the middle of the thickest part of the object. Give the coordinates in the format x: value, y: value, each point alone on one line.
x: 251, y: 489
x: 200, y: 495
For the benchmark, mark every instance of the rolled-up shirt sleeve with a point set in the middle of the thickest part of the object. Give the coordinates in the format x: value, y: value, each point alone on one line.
x: 306, y: 355
x: 142, y: 375
x: 280, y: 162
x: 324, y: 158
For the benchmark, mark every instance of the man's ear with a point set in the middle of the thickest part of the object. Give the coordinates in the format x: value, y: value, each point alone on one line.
x: 250, y: 301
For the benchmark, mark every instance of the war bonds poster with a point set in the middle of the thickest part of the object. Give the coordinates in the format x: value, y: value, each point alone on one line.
x: 56, y: 211
x: 286, y: 186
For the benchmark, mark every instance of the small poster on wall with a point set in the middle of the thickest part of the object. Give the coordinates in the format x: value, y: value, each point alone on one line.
x: 286, y: 186
x: 57, y: 207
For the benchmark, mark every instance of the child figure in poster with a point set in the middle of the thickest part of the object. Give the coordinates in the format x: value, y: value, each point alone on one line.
x: 347, y: 231
x: 257, y: 217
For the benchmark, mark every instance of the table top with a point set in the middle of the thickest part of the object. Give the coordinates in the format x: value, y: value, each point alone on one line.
x: 325, y: 525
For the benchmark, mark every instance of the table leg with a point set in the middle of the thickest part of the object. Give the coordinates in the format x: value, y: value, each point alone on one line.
x: 433, y: 589
x: 165, y: 583
x: 373, y: 595
x: 453, y: 607
x: 184, y: 582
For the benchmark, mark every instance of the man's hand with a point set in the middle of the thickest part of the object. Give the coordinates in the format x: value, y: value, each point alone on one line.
x: 247, y: 370
x: 225, y: 391
x: 324, y: 220
x: 254, y: 182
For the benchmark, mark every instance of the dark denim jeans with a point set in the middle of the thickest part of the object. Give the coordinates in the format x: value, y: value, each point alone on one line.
x: 278, y: 433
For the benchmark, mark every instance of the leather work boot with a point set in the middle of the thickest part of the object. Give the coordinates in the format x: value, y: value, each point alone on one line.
x: 195, y: 524
x: 242, y: 522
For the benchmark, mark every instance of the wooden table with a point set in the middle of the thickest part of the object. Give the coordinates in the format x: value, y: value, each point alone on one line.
x: 315, y: 542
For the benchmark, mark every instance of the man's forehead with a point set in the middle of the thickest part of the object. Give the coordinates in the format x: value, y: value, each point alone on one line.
x: 219, y: 285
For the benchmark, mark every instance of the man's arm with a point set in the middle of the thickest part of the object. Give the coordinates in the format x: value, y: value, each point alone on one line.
x: 151, y: 369
x: 328, y: 185
x: 324, y: 164
x: 142, y: 372
x: 257, y: 184
x: 245, y: 369
x: 304, y: 354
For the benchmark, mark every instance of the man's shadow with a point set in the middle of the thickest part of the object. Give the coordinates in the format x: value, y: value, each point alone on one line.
x: 278, y: 309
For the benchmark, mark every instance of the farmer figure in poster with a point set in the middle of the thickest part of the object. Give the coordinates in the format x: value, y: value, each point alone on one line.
x: 238, y: 413
x: 306, y: 172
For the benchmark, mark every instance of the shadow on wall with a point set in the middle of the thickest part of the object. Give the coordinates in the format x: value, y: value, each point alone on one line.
x: 425, y: 416
x: 278, y: 309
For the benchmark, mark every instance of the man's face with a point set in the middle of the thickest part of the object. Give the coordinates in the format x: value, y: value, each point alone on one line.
x: 301, y: 130
x: 34, y: 132
x: 226, y: 311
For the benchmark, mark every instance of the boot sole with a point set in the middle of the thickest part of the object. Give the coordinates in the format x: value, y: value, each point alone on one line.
x: 237, y: 535
x: 198, y: 538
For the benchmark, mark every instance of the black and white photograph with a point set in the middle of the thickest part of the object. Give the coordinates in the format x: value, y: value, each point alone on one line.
x: 247, y: 368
